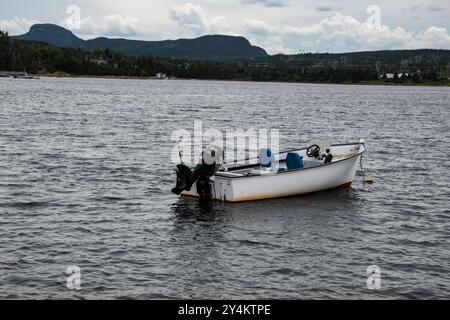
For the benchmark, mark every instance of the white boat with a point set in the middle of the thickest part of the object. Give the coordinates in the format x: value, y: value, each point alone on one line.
x: 296, y: 173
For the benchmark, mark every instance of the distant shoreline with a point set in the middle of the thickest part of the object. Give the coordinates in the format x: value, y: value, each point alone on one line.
x: 424, y: 67
x: 372, y: 82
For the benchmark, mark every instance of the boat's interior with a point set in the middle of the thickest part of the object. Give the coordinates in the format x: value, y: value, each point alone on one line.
x: 287, y: 161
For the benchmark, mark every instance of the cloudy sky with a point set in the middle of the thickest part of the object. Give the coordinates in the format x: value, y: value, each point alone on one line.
x: 279, y: 26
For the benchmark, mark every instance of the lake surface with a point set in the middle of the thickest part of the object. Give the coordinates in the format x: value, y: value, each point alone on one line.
x: 86, y: 176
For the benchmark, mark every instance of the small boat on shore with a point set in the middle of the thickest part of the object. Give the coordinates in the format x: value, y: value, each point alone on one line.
x: 16, y: 75
x: 320, y: 166
x: 26, y: 77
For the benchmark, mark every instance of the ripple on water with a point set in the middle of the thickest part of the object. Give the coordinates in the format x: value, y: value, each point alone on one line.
x: 86, y: 179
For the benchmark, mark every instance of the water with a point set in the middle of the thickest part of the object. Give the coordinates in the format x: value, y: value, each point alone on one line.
x: 86, y: 179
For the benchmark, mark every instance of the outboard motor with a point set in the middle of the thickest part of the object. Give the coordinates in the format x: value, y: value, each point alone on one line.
x: 184, y: 179
x: 201, y: 176
x: 204, y: 187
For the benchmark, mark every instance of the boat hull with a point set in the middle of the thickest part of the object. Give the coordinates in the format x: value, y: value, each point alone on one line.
x: 285, y: 184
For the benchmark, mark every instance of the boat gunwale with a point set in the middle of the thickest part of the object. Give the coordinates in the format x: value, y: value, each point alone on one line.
x: 218, y: 174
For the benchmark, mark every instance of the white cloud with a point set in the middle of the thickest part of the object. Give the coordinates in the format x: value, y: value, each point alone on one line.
x: 262, y: 28
x: 259, y: 27
x: 219, y: 25
x: 433, y: 37
x: 345, y: 33
x: 268, y: 3
x: 122, y: 25
x: 193, y: 19
x: 191, y: 16
x: 110, y: 25
x: 275, y: 45
x: 17, y: 25
x: 267, y: 36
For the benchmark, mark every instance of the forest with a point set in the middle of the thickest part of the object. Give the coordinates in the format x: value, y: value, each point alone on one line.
x: 44, y: 59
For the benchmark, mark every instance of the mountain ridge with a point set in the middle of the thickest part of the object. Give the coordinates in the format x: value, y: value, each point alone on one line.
x: 208, y: 47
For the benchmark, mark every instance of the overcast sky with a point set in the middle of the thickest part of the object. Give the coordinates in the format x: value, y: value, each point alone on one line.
x: 279, y: 26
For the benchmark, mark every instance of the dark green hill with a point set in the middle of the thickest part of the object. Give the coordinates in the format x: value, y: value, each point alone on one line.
x: 54, y: 35
x: 211, y: 47
x: 214, y: 47
x: 382, y: 61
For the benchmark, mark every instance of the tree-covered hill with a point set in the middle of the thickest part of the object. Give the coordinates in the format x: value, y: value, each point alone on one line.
x: 211, y: 47
x: 384, y: 61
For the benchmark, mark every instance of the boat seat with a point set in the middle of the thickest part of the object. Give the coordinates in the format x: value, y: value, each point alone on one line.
x: 294, y: 161
x: 266, y: 158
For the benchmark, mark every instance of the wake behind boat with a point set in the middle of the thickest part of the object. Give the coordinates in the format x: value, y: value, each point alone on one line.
x: 319, y: 167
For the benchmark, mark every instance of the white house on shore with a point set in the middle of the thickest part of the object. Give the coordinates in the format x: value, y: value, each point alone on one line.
x: 98, y: 61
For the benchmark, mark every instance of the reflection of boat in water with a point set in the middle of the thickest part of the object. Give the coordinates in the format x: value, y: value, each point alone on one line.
x: 301, y: 171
